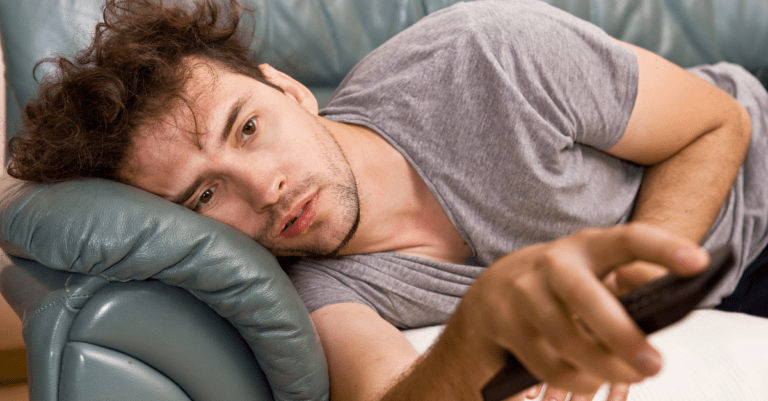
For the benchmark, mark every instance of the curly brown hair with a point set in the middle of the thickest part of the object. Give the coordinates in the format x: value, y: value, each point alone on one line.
x: 85, y: 114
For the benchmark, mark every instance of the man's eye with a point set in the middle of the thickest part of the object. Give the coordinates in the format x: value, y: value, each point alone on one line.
x: 205, y: 198
x: 249, y: 129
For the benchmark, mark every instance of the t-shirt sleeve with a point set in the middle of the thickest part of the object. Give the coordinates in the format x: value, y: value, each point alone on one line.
x: 569, y: 72
x: 319, y: 286
x: 555, y: 74
x: 406, y: 291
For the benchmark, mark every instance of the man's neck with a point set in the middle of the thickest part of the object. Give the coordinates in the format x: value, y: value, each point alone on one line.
x: 398, y: 212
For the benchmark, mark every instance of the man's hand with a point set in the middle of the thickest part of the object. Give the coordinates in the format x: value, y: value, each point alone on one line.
x: 547, y: 304
x: 620, y: 281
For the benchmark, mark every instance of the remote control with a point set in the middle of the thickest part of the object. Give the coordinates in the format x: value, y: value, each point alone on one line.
x: 653, y: 306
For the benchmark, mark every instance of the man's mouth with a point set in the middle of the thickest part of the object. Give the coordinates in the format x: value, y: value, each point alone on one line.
x: 294, y: 219
x: 301, y: 221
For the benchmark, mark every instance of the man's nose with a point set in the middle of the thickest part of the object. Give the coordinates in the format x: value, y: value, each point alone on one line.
x: 266, y: 191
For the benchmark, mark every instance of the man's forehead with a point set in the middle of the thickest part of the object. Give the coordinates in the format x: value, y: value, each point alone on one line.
x: 183, y: 122
x: 192, y: 119
x: 157, y: 146
x: 209, y: 98
x: 201, y: 75
x: 189, y: 115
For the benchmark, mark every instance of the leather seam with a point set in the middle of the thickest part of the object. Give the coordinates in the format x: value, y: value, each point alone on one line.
x: 46, y: 306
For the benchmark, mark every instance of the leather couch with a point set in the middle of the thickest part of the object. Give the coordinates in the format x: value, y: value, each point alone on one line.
x: 125, y: 296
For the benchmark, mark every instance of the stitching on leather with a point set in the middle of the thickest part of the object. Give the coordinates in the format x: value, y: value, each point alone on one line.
x: 64, y: 299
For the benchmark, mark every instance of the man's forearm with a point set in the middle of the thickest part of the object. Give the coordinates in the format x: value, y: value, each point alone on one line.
x: 685, y: 193
x: 453, y: 369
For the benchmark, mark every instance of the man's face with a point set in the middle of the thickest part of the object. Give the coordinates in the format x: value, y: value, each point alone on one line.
x: 261, y: 163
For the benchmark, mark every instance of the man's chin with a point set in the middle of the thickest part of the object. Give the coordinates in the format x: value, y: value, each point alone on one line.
x: 311, y: 253
x: 331, y: 249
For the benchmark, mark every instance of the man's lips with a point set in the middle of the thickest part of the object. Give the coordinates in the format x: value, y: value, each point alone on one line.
x: 304, y: 214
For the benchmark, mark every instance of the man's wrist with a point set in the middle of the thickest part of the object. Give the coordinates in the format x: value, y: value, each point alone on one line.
x: 456, y: 366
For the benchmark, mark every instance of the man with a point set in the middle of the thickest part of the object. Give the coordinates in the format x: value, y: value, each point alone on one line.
x: 453, y: 177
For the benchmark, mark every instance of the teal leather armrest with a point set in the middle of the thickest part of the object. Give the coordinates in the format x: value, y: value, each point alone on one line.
x: 97, y: 340
x: 119, y: 233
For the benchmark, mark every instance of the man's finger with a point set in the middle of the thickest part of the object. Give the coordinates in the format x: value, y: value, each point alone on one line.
x: 620, y: 245
x: 581, y: 397
x: 583, y: 294
x: 554, y: 394
x: 534, y: 391
x: 636, y: 274
x: 575, y: 344
x: 619, y: 392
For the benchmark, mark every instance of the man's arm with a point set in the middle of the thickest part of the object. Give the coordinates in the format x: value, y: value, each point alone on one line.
x: 525, y: 303
x: 365, y: 353
x: 369, y: 359
x: 693, y: 138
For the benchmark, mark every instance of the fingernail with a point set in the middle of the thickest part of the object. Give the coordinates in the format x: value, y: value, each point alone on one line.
x: 648, y: 361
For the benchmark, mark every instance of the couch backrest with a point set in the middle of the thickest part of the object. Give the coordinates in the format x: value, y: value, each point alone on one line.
x: 687, y: 32
x: 318, y: 42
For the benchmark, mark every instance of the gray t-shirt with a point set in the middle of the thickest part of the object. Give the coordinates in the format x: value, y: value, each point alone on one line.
x: 503, y: 108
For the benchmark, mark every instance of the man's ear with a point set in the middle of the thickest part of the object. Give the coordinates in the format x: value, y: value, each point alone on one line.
x: 293, y: 88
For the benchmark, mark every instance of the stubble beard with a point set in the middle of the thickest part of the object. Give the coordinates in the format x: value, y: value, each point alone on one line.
x: 332, y: 236
x: 341, y: 184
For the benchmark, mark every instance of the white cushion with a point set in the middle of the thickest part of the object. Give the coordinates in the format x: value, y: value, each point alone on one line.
x: 709, y: 356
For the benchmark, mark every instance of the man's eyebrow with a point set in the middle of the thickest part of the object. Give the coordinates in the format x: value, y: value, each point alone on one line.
x: 181, y: 198
x: 234, y: 112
